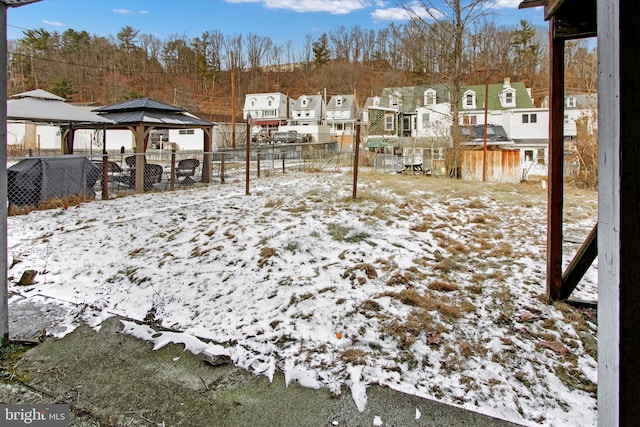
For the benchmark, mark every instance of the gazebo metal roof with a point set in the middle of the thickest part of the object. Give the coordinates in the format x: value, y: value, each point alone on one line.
x: 149, y: 111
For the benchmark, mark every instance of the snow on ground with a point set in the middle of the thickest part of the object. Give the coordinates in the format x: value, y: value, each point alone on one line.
x: 433, y: 287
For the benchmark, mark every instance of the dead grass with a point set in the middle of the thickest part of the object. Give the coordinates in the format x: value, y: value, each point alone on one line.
x: 354, y: 356
x: 57, y: 203
x: 441, y: 286
x: 265, y: 254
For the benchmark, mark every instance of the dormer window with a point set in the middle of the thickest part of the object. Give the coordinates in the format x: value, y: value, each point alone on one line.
x: 394, y: 100
x: 571, y: 102
x: 339, y: 101
x: 269, y: 101
x: 508, y: 98
x: 376, y: 102
x: 469, y: 100
x: 253, y: 102
x: 305, y: 101
x: 429, y: 97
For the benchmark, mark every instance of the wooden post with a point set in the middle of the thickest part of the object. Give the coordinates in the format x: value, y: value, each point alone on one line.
x: 222, y: 168
x: 172, y: 180
x: 105, y: 175
x: 356, y: 150
x: 248, y: 160
x: 556, y: 169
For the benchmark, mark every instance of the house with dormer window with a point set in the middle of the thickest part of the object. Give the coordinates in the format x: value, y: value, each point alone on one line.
x: 579, y: 106
x: 308, y: 110
x: 342, y: 114
x: 268, y: 111
x: 422, y: 114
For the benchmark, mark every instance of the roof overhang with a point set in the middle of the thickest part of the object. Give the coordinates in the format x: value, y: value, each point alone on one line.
x: 17, y: 3
x: 571, y: 19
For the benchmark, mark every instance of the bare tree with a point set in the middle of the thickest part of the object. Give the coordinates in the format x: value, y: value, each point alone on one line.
x: 257, y: 48
x: 341, y: 43
x: 447, y: 21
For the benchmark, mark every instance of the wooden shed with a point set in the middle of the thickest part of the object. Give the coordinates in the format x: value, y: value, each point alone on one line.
x: 502, y: 165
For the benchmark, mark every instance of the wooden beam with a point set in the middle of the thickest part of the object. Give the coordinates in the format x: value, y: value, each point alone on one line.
x: 556, y: 169
x: 580, y: 264
x: 552, y: 8
x: 629, y: 195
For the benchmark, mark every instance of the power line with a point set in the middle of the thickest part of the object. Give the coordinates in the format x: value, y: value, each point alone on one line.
x: 97, y: 67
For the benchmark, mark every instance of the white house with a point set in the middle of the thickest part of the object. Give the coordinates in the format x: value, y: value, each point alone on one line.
x: 268, y: 111
x: 308, y: 110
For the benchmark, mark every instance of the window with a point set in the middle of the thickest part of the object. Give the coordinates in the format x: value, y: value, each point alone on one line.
x: 528, y: 155
x: 305, y: 102
x: 393, y: 101
x: 571, y: 102
x: 530, y: 118
x: 388, y: 122
x: 339, y: 101
x: 429, y: 97
x: 425, y: 120
x: 469, y: 98
x: 253, y: 102
x: 186, y: 132
x: 541, y: 156
x: 508, y: 97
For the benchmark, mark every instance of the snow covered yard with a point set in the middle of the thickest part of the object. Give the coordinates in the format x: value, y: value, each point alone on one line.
x: 430, y: 286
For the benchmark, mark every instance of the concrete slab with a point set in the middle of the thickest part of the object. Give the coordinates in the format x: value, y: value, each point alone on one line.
x: 111, y: 378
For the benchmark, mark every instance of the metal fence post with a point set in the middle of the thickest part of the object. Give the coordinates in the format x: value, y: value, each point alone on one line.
x: 172, y: 178
x: 105, y: 175
x: 222, y: 168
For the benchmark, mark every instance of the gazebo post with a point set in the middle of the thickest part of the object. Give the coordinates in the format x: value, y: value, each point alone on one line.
x: 208, y: 156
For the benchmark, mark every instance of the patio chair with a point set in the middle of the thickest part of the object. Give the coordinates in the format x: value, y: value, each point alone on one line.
x: 152, y: 175
x: 186, y: 170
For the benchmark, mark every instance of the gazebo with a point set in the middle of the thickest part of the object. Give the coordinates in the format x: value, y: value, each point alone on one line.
x: 142, y: 115
x: 40, y: 106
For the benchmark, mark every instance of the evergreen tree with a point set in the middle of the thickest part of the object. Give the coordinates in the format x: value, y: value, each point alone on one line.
x: 321, y: 51
x: 63, y: 88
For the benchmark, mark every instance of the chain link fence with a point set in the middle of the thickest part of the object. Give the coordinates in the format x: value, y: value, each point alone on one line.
x: 46, y: 179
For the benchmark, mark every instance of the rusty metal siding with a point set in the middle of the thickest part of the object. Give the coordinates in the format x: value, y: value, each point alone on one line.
x: 502, y: 165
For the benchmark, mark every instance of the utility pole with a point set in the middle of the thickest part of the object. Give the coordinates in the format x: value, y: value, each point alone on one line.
x: 486, y: 119
x: 233, y: 103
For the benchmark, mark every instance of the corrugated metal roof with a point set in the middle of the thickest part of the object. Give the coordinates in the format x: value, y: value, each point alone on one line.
x: 139, y: 104
x: 146, y: 110
x: 17, y: 3
x: 41, y: 106
x: 155, y: 117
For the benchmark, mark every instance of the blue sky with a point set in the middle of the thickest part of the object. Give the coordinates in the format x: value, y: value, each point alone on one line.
x: 281, y: 20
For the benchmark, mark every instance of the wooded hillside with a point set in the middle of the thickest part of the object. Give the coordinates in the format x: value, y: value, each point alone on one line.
x: 196, y: 73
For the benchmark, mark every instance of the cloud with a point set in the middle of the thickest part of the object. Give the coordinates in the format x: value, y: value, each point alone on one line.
x: 335, y: 7
x: 506, y: 4
x: 54, y: 23
x: 402, y: 14
x: 129, y: 12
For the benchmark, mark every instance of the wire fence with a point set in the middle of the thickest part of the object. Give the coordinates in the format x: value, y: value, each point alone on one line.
x: 33, y: 180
